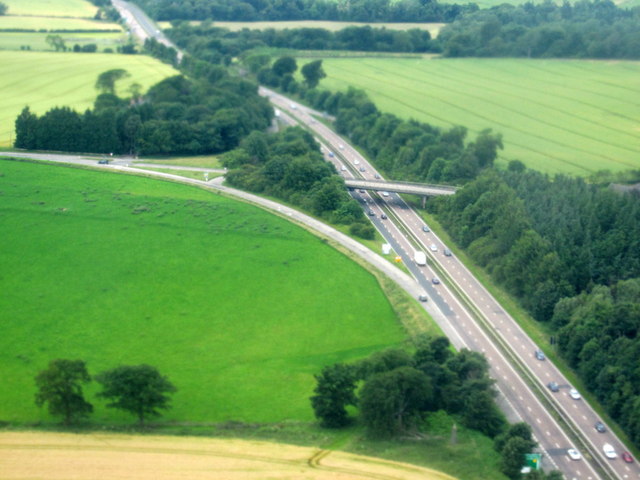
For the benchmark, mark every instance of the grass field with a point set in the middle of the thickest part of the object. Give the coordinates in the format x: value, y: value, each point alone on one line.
x: 38, y: 41
x: 556, y: 116
x: 54, y: 23
x: 238, y: 307
x: 51, y: 8
x: 56, y: 456
x: 45, y: 80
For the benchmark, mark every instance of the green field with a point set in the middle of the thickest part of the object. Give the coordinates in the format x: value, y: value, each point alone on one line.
x: 54, y: 23
x: 51, y: 8
x: 45, y: 80
x: 238, y: 307
x: 555, y: 115
x: 38, y: 41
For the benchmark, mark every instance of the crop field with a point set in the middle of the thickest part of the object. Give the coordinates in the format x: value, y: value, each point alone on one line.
x: 38, y: 41
x: 45, y: 80
x: 54, y: 23
x: 51, y: 8
x: 576, y: 117
x: 238, y: 307
x: 61, y: 456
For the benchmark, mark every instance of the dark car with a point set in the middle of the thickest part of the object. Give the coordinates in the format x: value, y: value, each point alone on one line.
x: 104, y: 161
x: 553, y: 386
x: 600, y: 427
x: 371, y: 213
x: 540, y: 354
x: 422, y: 298
x: 383, y: 216
x: 447, y: 252
x: 626, y: 456
x: 435, y: 280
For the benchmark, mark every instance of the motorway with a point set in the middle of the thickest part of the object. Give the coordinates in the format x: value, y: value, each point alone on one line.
x: 471, y: 317
x: 463, y: 300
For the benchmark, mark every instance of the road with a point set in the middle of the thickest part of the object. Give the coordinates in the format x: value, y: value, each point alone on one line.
x: 522, y: 398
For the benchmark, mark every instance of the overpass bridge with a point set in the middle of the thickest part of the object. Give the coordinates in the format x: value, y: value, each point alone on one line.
x: 422, y: 189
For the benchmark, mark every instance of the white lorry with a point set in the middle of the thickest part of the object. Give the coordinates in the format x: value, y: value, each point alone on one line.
x: 420, y: 258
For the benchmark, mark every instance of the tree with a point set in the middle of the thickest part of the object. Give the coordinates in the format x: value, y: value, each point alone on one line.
x: 313, y: 73
x: 391, y: 402
x: 3, y: 8
x: 106, y: 81
x: 26, y: 130
x: 334, y: 391
x: 284, y: 65
x: 56, y: 42
x: 139, y: 389
x: 513, y: 457
x: 60, y: 385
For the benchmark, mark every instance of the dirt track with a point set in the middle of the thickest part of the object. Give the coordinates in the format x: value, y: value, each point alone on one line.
x: 54, y: 456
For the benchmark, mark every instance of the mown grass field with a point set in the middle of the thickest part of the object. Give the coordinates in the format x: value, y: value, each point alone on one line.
x: 239, y: 308
x: 54, y: 23
x: 51, y: 8
x: 45, y: 80
x: 567, y: 116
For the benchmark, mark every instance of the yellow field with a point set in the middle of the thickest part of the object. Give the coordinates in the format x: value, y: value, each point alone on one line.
x: 56, y: 456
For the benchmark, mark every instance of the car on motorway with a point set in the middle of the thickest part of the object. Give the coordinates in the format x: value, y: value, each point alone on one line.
x: 371, y: 213
x: 385, y: 194
x: 447, y: 252
x: 574, y: 454
x: 383, y: 216
x: 539, y: 354
x: 435, y: 280
x: 433, y: 247
x: 422, y: 298
x: 575, y: 394
x: 377, y: 176
x: 553, y: 386
x: 341, y: 147
x: 600, y: 427
x: 425, y: 228
x: 609, y: 451
x: 626, y: 456
x: 343, y: 168
x: 362, y: 169
x: 293, y: 106
x: 356, y: 162
x: 331, y: 154
x: 104, y: 161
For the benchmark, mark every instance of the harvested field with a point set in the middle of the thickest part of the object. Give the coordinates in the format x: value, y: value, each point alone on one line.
x: 67, y: 456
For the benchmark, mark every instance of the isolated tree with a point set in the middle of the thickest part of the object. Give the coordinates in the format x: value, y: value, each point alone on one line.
x: 334, y: 391
x: 3, y: 8
x: 313, y: 73
x: 106, y: 81
x: 56, y: 42
x: 139, y: 389
x: 284, y: 66
x: 521, y: 430
x: 60, y: 386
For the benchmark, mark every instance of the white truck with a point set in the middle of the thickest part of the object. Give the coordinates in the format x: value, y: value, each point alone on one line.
x: 420, y: 258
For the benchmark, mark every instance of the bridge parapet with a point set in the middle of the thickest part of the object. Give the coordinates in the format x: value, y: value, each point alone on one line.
x: 401, y: 187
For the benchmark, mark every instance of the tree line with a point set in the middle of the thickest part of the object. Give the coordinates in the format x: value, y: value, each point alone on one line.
x: 394, y: 391
x: 274, y: 10
x: 199, y: 39
x: 138, y: 389
x: 175, y: 116
x: 584, y: 29
x: 288, y: 165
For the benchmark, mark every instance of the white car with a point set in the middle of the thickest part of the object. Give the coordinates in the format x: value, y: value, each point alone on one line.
x: 341, y: 147
x: 574, y: 454
x: 385, y: 194
x: 574, y: 394
x: 434, y: 247
x: 356, y: 162
x: 609, y: 450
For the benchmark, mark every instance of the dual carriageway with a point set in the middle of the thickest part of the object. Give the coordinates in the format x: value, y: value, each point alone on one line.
x: 472, y: 318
